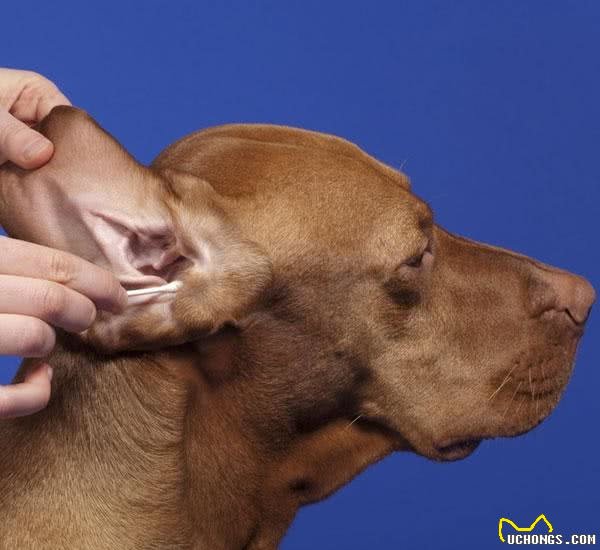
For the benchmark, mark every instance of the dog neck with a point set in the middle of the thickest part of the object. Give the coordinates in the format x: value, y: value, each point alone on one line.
x: 170, y: 447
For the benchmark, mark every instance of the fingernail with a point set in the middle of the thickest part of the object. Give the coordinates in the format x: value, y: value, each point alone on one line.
x: 122, y: 301
x: 50, y: 372
x: 35, y: 148
x: 94, y: 314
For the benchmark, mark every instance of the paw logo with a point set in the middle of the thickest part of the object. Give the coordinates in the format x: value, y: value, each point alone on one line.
x: 541, y: 517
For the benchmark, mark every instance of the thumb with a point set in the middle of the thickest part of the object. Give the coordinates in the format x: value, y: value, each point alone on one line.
x: 22, y: 145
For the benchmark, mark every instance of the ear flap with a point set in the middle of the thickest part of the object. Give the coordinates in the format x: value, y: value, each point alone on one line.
x: 94, y: 200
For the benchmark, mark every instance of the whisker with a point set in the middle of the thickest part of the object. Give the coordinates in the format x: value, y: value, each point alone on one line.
x: 506, y: 379
x: 359, y: 416
x: 520, y: 403
x: 532, y: 391
x: 512, y: 398
x: 499, y: 388
x: 530, y: 383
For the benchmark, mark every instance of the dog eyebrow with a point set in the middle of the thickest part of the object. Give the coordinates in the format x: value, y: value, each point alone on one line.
x: 425, y: 217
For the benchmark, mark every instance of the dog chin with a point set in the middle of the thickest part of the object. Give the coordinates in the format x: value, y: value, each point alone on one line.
x: 456, y: 449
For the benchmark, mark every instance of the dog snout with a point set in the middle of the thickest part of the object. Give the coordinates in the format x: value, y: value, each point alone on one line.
x: 564, y: 293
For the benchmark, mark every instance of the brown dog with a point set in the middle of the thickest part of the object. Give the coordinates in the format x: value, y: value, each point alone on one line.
x: 324, y: 322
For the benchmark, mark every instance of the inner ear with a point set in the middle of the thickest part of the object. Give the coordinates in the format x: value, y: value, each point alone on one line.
x: 141, y: 254
x: 94, y: 200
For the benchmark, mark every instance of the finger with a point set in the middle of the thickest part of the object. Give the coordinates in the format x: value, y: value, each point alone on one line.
x: 29, y: 396
x: 51, y: 302
x: 35, y: 98
x: 48, y: 102
x: 33, y: 108
x: 22, y: 145
x: 25, y: 336
x: 32, y: 260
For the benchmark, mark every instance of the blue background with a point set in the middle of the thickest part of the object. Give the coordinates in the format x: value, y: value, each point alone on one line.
x: 492, y: 107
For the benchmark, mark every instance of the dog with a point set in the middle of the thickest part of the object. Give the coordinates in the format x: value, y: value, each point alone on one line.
x: 324, y: 320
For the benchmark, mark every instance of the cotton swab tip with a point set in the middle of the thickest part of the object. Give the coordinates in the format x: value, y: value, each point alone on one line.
x: 163, y: 289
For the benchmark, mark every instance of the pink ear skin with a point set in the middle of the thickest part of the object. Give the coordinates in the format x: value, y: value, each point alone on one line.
x: 141, y: 255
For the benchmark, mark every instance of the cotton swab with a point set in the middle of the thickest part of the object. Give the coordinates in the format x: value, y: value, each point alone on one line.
x: 170, y: 287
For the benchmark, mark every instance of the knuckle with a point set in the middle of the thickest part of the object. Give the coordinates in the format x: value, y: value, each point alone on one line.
x: 37, y: 79
x: 88, y: 314
x: 36, y: 339
x: 107, y: 286
x: 61, y: 267
x: 52, y: 302
x: 37, y: 87
x: 31, y: 75
x: 9, y: 132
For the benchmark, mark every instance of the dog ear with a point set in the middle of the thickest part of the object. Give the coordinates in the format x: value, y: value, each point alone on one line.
x: 222, y: 276
x: 94, y: 200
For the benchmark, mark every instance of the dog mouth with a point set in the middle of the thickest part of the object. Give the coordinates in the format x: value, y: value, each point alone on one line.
x: 447, y: 449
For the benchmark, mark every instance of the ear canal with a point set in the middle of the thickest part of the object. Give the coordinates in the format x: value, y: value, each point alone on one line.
x: 139, y: 254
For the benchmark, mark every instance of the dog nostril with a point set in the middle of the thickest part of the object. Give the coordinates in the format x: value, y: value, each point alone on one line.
x: 574, y: 296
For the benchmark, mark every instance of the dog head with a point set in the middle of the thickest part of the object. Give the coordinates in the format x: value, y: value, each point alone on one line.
x: 376, y: 313
x: 346, y: 299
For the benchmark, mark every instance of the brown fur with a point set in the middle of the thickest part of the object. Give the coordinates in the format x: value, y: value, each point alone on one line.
x: 306, y: 351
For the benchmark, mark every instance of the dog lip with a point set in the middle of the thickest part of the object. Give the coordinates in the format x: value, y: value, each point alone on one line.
x: 578, y: 324
x: 456, y: 449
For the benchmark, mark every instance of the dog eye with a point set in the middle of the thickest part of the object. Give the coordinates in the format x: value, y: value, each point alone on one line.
x: 415, y: 262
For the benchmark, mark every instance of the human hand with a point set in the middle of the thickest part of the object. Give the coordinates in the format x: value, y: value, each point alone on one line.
x: 42, y: 288
x: 25, y: 98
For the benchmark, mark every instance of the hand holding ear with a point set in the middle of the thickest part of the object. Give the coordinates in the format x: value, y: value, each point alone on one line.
x: 25, y: 98
x: 40, y: 288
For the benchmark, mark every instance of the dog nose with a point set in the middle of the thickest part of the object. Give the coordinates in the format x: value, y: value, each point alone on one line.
x: 570, y: 294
